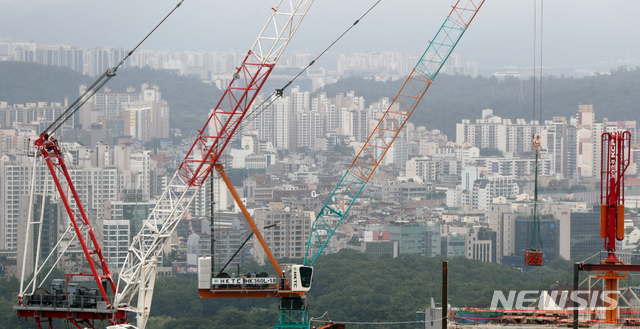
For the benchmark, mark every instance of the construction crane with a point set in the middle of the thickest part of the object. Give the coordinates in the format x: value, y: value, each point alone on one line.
x: 137, y: 276
x: 616, y: 152
x: 389, y: 126
x: 295, y: 280
x: 66, y: 299
x: 533, y: 256
x: 291, y: 283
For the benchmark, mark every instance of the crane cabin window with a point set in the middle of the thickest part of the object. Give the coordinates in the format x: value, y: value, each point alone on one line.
x: 306, y: 274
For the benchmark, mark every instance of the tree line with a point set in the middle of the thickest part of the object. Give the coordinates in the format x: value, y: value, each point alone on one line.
x: 349, y: 286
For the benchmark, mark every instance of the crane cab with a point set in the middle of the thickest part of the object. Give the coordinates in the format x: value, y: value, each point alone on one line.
x: 299, y: 277
x: 293, y: 279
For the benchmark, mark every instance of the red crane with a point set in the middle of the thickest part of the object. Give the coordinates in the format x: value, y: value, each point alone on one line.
x: 79, y: 305
x: 61, y: 302
x: 616, y: 151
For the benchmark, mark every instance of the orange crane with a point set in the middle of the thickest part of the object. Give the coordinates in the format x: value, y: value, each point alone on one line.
x: 295, y: 281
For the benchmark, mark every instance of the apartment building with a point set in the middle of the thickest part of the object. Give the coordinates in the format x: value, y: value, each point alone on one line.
x: 288, y: 232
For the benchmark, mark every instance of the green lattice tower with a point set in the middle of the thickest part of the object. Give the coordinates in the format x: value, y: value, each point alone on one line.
x: 298, y: 319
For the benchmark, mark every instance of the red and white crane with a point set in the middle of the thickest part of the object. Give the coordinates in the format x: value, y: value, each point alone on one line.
x: 65, y: 300
x: 137, y: 277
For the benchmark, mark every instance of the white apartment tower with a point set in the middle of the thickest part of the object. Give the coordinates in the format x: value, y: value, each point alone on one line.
x: 116, y: 241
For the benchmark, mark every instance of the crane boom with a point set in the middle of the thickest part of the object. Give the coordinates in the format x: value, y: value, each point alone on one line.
x: 139, y: 270
x: 388, y: 128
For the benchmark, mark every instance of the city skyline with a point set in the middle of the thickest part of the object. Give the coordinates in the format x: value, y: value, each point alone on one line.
x: 577, y: 35
x: 475, y: 197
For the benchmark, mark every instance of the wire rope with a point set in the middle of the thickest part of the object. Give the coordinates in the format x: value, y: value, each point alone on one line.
x: 536, y: 231
x: 280, y: 91
x: 541, y: 44
x: 101, y: 81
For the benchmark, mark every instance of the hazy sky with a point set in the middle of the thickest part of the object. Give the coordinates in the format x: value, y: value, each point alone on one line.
x: 578, y: 34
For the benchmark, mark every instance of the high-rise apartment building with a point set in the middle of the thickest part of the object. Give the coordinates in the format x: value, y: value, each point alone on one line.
x: 109, y: 103
x: 489, y: 187
x: 288, y: 238
x: 148, y: 117
x: 99, y: 60
x: 15, y: 182
x: 490, y: 132
x: 310, y: 127
x: 572, y: 147
x: 116, y: 240
x: 43, y: 227
x: 40, y: 114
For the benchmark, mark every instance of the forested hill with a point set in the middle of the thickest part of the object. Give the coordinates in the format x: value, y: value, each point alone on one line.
x: 190, y: 99
x: 348, y: 285
x: 450, y: 98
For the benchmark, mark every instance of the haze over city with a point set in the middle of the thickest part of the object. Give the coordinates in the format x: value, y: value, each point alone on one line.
x: 578, y: 35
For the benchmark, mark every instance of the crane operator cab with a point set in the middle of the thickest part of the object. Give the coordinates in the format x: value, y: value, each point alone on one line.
x: 299, y: 276
x: 293, y: 279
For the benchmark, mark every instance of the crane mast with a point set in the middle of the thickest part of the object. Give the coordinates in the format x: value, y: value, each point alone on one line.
x: 615, y: 160
x: 138, y: 273
x: 389, y: 126
x: 616, y: 155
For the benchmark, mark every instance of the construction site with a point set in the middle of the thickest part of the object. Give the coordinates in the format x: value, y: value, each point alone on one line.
x: 97, y: 296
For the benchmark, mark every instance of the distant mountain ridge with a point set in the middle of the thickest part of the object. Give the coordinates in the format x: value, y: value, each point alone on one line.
x: 449, y: 100
x: 189, y: 99
x: 453, y: 98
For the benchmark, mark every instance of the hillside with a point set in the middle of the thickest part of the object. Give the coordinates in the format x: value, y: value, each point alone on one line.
x: 450, y: 98
x: 190, y: 99
x: 350, y: 286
